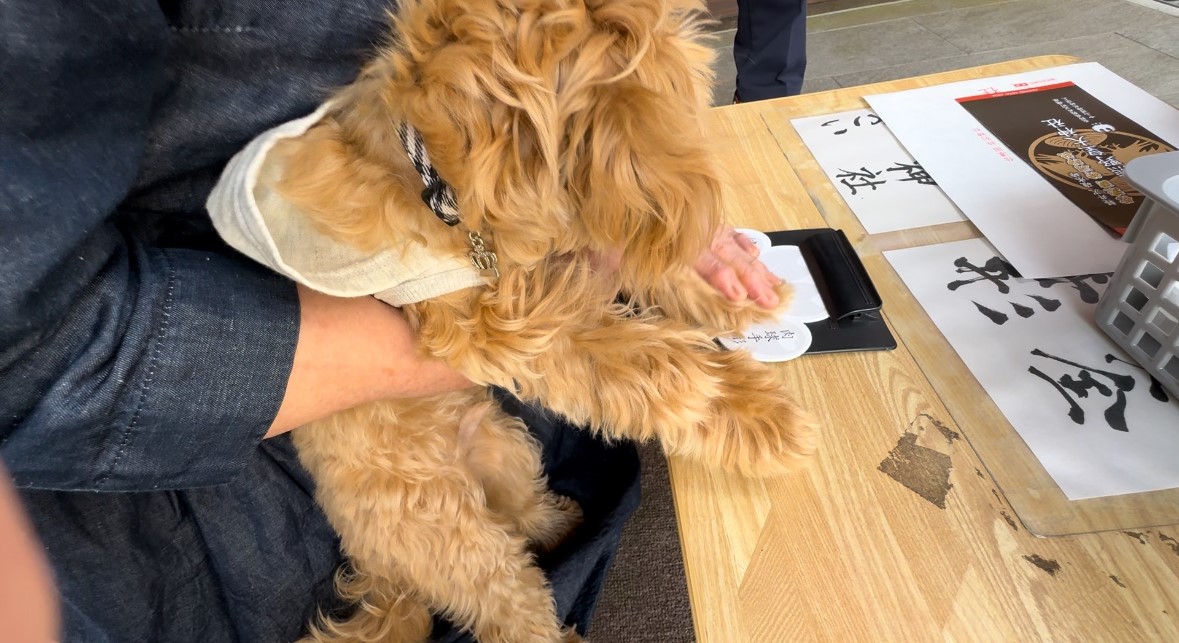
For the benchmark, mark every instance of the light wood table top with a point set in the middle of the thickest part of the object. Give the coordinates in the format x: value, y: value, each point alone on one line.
x: 843, y: 551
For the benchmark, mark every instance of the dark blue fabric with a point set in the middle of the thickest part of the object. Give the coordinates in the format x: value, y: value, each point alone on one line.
x: 141, y: 360
x: 769, y: 48
x: 123, y: 319
x: 247, y: 561
x: 252, y: 560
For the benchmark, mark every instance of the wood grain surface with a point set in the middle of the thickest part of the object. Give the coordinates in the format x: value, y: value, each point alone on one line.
x: 906, y: 525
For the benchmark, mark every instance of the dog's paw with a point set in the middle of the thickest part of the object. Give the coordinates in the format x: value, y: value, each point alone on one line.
x: 571, y: 636
x: 719, y: 316
x: 756, y: 429
x: 686, y: 297
x: 765, y: 434
x: 564, y: 516
x: 749, y: 314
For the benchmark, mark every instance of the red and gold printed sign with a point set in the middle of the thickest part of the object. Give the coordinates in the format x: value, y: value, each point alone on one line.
x: 1078, y: 143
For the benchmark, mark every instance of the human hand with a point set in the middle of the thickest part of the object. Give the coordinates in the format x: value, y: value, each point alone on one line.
x: 730, y: 265
x: 29, y: 609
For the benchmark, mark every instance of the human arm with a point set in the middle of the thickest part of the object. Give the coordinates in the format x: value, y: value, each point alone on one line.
x: 127, y: 363
x: 352, y: 351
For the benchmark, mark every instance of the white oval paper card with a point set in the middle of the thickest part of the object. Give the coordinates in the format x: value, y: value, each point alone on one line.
x: 776, y: 342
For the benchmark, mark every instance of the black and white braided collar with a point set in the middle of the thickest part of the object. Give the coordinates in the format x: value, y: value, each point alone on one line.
x: 439, y: 196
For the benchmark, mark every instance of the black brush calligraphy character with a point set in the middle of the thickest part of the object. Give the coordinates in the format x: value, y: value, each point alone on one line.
x: 995, y: 270
x: 1156, y: 387
x: 1115, y: 414
x: 1047, y: 304
x: 1083, y: 383
x: 1089, y: 295
x: 913, y: 172
x: 993, y: 315
x: 862, y: 179
x: 1157, y: 391
x: 1075, y: 412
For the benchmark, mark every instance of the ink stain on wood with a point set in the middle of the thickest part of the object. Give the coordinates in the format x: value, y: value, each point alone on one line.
x: 1048, y: 565
x: 1117, y: 580
x: 1170, y: 542
x: 1010, y: 520
x: 1140, y: 537
x: 949, y: 434
x: 922, y: 470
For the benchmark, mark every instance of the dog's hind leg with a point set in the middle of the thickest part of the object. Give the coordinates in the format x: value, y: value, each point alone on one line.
x: 425, y: 525
x: 468, y: 566
x: 550, y: 520
x: 500, y: 452
x: 384, y: 613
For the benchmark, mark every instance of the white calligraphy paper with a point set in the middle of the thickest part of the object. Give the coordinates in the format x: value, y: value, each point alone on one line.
x: 881, y: 183
x: 1092, y: 416
x: 1036, y: 228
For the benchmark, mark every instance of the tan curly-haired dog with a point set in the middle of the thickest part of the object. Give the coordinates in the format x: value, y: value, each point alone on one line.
x: 568, y: 130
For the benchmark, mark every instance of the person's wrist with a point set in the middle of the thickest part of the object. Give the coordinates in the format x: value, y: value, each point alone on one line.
x: 352, y: 351
x: 404, y: 371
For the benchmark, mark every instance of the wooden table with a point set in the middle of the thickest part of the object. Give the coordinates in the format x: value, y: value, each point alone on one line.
x: 842, y: 551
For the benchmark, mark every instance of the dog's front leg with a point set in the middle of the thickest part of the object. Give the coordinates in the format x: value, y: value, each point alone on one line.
x: 652, y: 377
x: 641, y: 377
x: 681, y: 294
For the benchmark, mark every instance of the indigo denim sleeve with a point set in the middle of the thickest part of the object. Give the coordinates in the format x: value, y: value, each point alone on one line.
x: 124, y: 365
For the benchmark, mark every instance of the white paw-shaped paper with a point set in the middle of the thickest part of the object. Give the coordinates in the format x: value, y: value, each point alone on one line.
x: 787, y: 263
x: 787, y: 337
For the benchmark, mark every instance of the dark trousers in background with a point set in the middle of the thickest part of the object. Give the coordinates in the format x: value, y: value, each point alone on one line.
x: 770, y: 48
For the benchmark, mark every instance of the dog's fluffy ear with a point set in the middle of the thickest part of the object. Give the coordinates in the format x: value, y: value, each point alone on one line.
x: 564, y: 125
x: 644, y: 183
x: 475, y: 77
x: 644, y: 180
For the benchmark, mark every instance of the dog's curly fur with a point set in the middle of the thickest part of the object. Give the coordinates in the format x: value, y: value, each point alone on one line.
x: 568, y: 129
